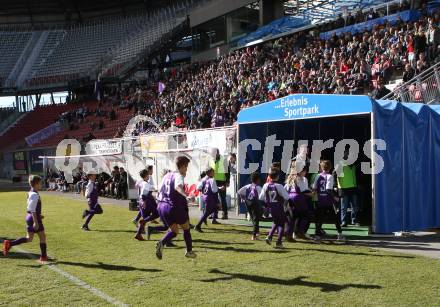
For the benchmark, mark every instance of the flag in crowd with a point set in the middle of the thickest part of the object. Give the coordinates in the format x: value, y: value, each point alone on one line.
x: 160, y: 87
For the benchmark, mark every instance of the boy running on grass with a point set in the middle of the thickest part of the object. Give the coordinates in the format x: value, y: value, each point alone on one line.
x: 209, y: 190
x: 249, y: 193
x: 92, y: 200
x: 147, y: 206
x: 173, y: 207
x: 327, y: 200
x: 275, y: 197
x: 34, y: 220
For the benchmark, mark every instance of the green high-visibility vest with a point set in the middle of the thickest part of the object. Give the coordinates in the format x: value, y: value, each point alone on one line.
x: 219, y: 170
x: 349, y: 179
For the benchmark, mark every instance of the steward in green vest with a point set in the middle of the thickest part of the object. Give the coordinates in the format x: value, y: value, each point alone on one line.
x: 348, y: 192
x: 349, y: 179
x: 221, y: 176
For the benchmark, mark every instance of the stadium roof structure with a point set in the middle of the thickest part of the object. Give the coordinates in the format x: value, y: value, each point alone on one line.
x: 27, y: 11
x: 323, y: 10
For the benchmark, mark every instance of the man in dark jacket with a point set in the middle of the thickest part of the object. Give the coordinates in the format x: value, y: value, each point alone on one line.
x: 204, y: 119
x: 380, y: 91
x: 420, y: 42
x: 123, y: 184
x: 113, y: 182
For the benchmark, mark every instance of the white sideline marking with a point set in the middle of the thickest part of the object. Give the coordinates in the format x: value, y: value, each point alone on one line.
x: 75, y: 280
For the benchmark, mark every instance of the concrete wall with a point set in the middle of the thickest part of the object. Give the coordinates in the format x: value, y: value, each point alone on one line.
x: 210, y: 54
x: 271, y: 10
x: 215, y: 9
x: 50, y: 18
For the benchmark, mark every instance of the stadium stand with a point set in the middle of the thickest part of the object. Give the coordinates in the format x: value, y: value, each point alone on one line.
x: 32, y: 122
x: 300, y: 63
x: 422, y: 88
x: 7, y: 117
x: 5, y: 113
x: 141, y: 42
x: 11, y: 48
x: 81, y: 48
x: 8, y: 122
x: 96, y: 124
x: 210, y: 94
x: 56, y: 56
x: 54, y: 39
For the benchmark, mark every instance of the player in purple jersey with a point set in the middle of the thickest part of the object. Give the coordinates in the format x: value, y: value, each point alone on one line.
x: 209, y: 190
x: 173, y: 207
x: 159, y: 228
x: 92, y: 200
x: 34, y: 220
x: 151, y: 183
x: 147, y: 206
x: 297, y: 186
x: 275, y: 197
x: 249, y: 194
x: 323, y: 186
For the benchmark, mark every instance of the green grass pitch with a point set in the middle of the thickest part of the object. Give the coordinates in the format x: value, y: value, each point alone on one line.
x: 230, y: 269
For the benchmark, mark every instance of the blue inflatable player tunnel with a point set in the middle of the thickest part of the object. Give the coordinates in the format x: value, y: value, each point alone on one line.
x: 402, y: 191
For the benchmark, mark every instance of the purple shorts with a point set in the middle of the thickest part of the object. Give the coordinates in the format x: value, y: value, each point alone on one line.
x: 211, y: 206
x: 96, y: 208
x: 325, y: 201
x: 30, y: 224
x: 298, y: 202
x: 147, y: 208
x: 278, y: 214
x: 172, y: 214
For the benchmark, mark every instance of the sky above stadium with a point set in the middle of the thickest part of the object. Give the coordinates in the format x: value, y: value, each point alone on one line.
x: 9, y: 101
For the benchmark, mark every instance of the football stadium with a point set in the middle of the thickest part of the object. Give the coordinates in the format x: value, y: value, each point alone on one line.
x: 219, y: 152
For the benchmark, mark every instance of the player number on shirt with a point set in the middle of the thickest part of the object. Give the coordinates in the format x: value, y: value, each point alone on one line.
x: 323, y: 186
x: 272, y: 196
x: 168, y: 187
x: 206, y: 188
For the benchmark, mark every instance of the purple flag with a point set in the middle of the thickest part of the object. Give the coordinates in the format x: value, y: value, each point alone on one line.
x: 160, y: 87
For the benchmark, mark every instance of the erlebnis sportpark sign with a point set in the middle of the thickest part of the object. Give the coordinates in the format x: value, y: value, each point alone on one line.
x: 306, y: 106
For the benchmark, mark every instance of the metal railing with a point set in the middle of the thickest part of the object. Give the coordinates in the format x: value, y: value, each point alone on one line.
x: 313, y: 14
x: 423, y: 88
x: 325, y: 10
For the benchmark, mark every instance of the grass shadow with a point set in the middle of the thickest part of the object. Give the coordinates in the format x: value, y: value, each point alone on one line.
x: 107, y: 267
x: 113, y: 230
x: 297, y: 281
x: 398, y: 244
x: 221, y: 242
x: 228, y: 230
x: 244, y: 250
x: 14, y: 255
x: 351, y: 253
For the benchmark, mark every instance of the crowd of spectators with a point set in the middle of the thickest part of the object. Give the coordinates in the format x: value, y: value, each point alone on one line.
x: 210, y: 94
x: 72, y: 119
x: 359, y: 16
x: 56, y: 181
x: 113, y: 185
